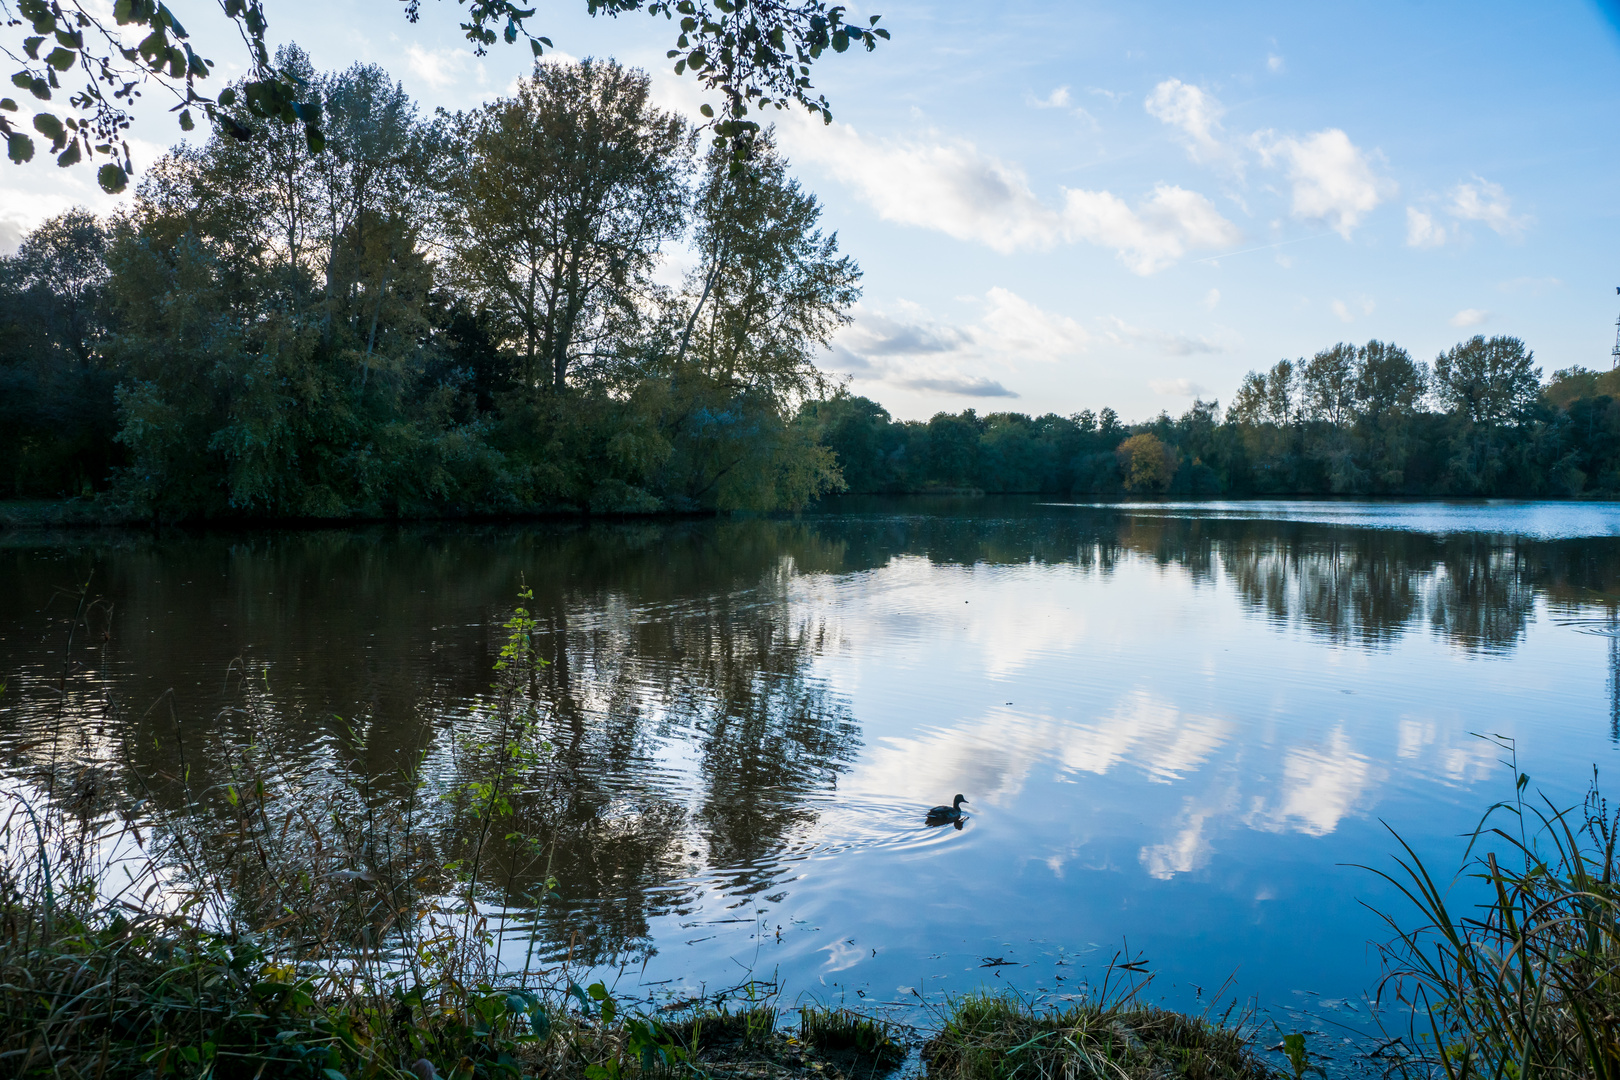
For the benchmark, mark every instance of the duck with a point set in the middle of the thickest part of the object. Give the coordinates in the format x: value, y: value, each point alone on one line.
x: 939, y: 815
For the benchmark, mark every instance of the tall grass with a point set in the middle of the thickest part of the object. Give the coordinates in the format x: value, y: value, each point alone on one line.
x: 1521, y: 978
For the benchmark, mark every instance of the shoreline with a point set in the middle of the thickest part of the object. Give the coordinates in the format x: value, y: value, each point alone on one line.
x: 86, y: 514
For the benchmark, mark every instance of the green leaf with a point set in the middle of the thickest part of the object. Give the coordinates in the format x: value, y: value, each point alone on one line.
x: 61, y: 59
x: 186, y: 124
x: 31, y: 46
x: 8, y: 104
x: 124, y: 12
x: 154, y: 47
x: 315, y: 138
x: 50, y: 127
x: 706, y: 110
x: 19, y: 147
x: 112, y: 178
x: 70, y: 156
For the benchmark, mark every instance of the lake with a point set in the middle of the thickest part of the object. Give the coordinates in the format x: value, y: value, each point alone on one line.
x: 1182, y: 729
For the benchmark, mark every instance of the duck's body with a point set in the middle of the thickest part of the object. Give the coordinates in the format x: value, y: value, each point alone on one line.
x: 940, y: 815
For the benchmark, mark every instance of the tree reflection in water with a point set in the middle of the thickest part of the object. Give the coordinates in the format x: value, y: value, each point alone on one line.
x: 691, y: 728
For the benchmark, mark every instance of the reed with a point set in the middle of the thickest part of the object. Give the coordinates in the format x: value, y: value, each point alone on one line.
x: 1520, y: 976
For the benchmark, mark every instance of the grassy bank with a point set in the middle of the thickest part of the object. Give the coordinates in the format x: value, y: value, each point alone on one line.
x: 57, y: 513
x: 156, y: 996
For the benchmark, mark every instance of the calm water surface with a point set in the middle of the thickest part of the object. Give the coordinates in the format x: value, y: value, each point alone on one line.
x: 1179, y: 726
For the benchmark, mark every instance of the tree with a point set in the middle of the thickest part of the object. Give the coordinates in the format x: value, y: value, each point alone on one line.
x: 1387, y: 380
x: 1272, y: 397
x: 1488, y: 381
x: 557, y: 203
x: 770, y: 289
x: 56, y: 387
x: 755, y: 53
x: 1327, y: 385
x: 1147, y: 463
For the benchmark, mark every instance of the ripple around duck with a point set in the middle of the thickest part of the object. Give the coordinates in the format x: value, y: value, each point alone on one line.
x: 857, y: 824
x: 843, y: 827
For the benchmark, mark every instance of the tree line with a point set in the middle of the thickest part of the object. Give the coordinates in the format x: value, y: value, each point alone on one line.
x: 1351, y: 420
x: 473, y: 312
x: 459, y: 313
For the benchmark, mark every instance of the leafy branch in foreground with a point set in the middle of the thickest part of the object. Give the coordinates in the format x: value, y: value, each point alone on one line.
x: 755, y: 53
x: 143, y: 45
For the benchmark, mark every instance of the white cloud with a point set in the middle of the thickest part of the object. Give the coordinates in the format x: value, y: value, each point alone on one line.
x: 949, y: 186
x: 1469, y: 317
x: 1486, y: 202
x: 1274, y: 62
x: 1176, y: 388
x: 1194, y: 112
x: 1154, y: 235
x: 11, y: 234
x: 953, y: 187
x: 910, y: 349
x: 1421, y: 231
x: 1332, y: 178
x: 438, y: 68
x: 1341, y: 311
x: 1018, y: 326
x: 1057, y: 99
x: 1211, y: 299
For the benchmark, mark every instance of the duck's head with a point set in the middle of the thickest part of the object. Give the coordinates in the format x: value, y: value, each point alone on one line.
x: 958, y: 801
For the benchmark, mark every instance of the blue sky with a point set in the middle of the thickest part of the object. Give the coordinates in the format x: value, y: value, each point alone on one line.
x: 1070, y: 205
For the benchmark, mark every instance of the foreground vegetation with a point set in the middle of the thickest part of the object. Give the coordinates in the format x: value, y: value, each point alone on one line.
x: 1526, y: 981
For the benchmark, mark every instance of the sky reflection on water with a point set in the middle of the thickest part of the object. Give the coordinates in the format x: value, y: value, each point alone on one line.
x: 1177, y: 727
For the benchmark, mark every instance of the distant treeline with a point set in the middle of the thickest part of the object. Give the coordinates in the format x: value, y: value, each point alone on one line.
x: 467, y: 314
x: 1350, y: 420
